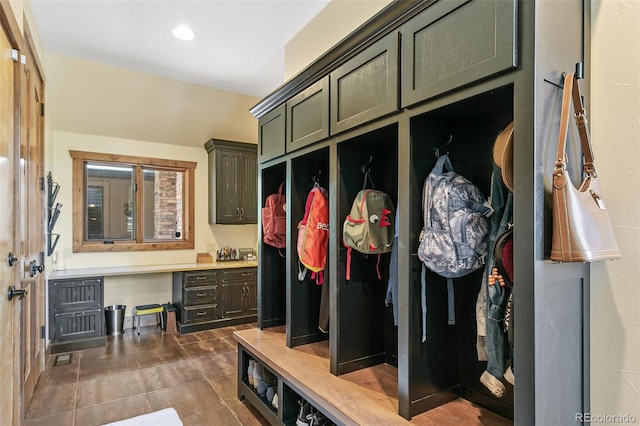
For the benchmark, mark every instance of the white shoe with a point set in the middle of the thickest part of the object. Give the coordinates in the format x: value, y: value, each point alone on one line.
x: 493, y: 384
x: 508, y: 376
x: 274, y: 403
x: 250, y: 371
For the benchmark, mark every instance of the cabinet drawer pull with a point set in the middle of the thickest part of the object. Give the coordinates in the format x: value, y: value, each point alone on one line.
x: 201, y: 294
x: 201, y: 278
x: 246, y: 274
x: 201, y: 314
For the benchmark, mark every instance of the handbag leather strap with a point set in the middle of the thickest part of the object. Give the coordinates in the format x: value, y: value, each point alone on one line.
x: 571, y: 92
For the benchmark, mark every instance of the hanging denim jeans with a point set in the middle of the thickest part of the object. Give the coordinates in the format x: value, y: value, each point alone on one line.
x: 497, y: 297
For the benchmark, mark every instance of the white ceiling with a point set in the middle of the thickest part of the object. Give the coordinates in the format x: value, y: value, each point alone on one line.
x: 239, y: 44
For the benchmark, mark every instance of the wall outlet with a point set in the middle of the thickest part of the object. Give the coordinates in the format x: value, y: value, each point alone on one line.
x: 67, y: 252
x: 210, y: 247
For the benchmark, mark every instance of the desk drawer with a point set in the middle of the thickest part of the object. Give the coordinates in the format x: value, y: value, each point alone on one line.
x: 238, y: 275
x: 200, y: 295
x: 199, y: 278
x: 200, y: 313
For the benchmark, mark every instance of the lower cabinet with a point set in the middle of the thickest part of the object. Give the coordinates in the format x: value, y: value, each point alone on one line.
x: 76, y: 313
x: 215, y: 298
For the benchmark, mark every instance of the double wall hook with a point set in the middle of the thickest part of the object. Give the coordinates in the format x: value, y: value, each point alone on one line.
x: 366, y: 164
x: 437, y: 150
x: 315, y: 178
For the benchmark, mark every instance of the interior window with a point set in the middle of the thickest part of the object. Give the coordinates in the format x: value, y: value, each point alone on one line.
x: 131, y: 203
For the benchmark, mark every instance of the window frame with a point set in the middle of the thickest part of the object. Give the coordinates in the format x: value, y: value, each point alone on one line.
x: 81, y: 245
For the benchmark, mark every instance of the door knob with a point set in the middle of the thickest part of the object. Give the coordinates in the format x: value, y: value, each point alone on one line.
x: 19, y: 293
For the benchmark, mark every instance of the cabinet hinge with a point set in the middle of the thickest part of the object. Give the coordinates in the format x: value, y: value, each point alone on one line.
x: 15, y: 55
x: 42, y: 109
x: 42, y: 332
x: 42, y: 183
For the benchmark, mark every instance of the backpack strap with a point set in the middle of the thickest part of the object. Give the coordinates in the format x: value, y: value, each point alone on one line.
x: 348, y: 263
x: 367, y: 177
x: 423, y: 291
x: 451, y: 302
x: 443, y: 164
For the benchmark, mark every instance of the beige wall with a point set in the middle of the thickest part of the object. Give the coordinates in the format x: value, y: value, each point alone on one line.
x: 100, y: 108
x: 337, y: 20
x: 615, y: 128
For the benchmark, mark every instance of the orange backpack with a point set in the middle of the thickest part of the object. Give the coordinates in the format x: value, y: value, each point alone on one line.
x: 313, y: 235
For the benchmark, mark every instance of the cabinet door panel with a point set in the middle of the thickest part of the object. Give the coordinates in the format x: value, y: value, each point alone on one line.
x: 77, y: 325
x: 308, y: 114
x: 232, y: 295
x: 271, y: 134
x: 76, y: 294
x: 454, y: 43
x: 251, y: 298
x: 366, y: 87
x: 249, y: 208
x: 227, y: 207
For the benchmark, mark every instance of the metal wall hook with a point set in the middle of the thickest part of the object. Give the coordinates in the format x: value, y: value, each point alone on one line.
x: 315, y: 178
x: 437, y: 150
x: 366, y: 164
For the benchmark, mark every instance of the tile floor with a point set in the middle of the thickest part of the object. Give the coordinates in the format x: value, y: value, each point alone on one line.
x: 194, y: 373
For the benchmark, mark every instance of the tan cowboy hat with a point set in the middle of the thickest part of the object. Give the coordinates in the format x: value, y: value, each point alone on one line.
x: 503, y: 155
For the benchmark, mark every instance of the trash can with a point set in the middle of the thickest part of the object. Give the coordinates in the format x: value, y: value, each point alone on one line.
x: 114, y: 316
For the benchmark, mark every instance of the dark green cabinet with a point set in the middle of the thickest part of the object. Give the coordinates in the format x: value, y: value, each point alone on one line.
x: 365, y: 87
x: 455, y: 43
x: 76, y: 314
x: 233, y: 182
x: 308, y: 116
x: 215, y: 298
x: 239, y: 293
x: 272, y: 134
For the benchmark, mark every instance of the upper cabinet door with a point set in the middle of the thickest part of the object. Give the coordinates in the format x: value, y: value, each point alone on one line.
x: 308, y: 116
x: 454, y: 43
x: 365, y: 87
x: 271, y: 134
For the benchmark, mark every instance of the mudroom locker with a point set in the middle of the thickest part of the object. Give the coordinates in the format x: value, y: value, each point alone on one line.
x: 417, y: 80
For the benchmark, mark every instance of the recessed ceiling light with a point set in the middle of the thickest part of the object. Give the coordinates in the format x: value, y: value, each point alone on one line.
x: 184, y: 33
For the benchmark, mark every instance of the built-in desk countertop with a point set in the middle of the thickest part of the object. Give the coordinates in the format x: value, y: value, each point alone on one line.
x: 148, y: 269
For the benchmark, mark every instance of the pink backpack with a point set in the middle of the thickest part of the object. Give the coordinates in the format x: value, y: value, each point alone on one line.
x: 274, y: 220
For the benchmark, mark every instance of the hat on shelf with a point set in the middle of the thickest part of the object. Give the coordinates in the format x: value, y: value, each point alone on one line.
x: 503, y: 155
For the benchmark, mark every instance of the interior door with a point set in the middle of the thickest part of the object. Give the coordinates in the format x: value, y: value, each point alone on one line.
x: 32, y: 230
x: 9, y: 368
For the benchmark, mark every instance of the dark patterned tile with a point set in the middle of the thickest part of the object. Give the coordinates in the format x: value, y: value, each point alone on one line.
x: 218, y: 364
x: 170, y: 375
x: 187, y: 400
x: 109, y: 388
x: 208, y: 347
x: 60, y: 419
x: 219, y: 416
x: 114, y: 411
x: 160, y: 356
x: 52, y: 399
x: 226, y: 387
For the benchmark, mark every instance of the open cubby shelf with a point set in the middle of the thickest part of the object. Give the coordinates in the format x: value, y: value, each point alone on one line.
x: 416, y: 80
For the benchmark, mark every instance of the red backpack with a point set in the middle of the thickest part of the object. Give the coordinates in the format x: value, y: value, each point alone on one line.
x: 313, y: 235
x: 274, y: 220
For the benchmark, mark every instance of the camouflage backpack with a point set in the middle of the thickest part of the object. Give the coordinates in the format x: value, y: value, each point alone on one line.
x: 453, y: 241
